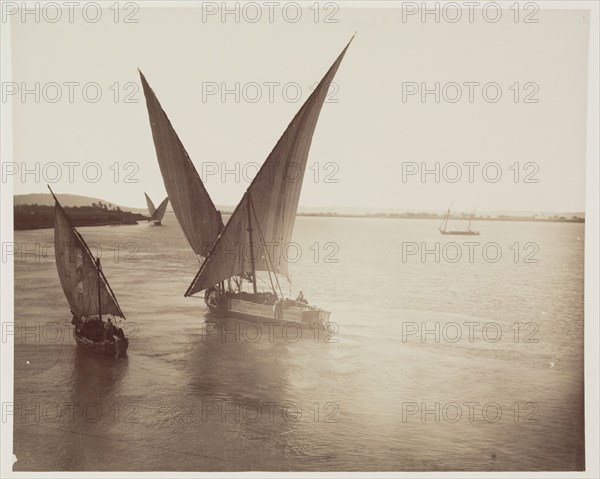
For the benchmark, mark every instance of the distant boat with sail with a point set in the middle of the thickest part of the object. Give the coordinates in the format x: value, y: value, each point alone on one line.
x: 468, y: 232
x: 258, y: 230
x: 86, y: 289
x: 157, y: 214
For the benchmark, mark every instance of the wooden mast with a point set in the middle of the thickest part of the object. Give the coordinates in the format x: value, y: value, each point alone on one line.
x: 248, y: 206
x: 99, y: 290
x: 471, y: 218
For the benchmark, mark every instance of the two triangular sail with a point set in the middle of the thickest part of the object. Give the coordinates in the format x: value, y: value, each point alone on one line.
x: 196, y: 213
x: 159, y: 213
x: 78, y: 273
x: 272, y: 199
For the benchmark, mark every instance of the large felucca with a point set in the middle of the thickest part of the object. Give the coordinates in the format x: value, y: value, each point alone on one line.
x: 86, y: 289
x: 260, y: 228
x: 157, y: 214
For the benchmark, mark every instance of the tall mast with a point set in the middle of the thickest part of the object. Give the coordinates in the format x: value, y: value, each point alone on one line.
x: 248, y: 206
x: 471, y: 218
x: 99, y: 290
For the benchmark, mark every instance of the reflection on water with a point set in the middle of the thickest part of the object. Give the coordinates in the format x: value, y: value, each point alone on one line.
x: 95, y: 382
x: 201, y: 393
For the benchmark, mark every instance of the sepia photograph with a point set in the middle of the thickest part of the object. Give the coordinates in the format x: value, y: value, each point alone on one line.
x: 272, y: 238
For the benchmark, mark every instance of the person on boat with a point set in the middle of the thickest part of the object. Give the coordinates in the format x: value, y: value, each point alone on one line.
x: 109, y: 330
x: 301, y: 298
x: 278, y: 309
x: 76, y: 321
x: 93, y: 330
x: 120, y: 334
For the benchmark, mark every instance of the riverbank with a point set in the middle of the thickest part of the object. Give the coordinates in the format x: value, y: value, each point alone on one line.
x: 429, y: 216
x: 31, y: 217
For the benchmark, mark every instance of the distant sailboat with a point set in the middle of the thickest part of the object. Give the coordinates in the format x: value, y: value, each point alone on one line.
x: 157, y: 214
x: 468, y: 232
x: 263, y: 219
x: 86, y: 289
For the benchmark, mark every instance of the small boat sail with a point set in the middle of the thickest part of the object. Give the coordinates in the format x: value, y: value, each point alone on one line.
x: 157, y: 214
x: 468, y: 232
x: 87, y: 290
x: 261, y: 226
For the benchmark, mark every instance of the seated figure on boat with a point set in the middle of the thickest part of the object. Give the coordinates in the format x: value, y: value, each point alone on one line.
x: 211, y: 296
x: 78, y: 323
x: 301, y: 298
x: 259, y: 298
x: 109, y: 331
x: 278, y: 309
x: 94, y: 329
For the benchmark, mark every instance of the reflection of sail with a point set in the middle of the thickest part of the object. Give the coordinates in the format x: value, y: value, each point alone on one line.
x: 159, y: 214
x: 151, y: 207
x: 199, y: 219
x: 78, y: 272
x: 269, y: 206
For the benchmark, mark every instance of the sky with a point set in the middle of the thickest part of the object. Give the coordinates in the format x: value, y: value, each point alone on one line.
x: 376, y: 133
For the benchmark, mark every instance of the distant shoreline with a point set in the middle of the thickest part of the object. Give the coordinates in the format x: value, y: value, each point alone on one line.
x: 36, y: 217
x: 425, y: 216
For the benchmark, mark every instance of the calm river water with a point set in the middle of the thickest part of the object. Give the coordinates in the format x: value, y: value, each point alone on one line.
x: 470, y: 362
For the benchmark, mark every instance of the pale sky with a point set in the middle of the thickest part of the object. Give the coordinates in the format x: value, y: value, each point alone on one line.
x: 368, y: 134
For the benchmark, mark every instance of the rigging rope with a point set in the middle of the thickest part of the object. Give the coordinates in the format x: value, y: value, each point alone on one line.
x: 267, y: 253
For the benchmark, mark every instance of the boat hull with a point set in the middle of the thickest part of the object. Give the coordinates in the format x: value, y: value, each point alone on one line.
x: 460, y: 233
x: 117, y: 348
x: 304, y: 315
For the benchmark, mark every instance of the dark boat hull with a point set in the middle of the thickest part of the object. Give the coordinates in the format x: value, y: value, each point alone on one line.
x: 117, y: 348
x: 304, y: 315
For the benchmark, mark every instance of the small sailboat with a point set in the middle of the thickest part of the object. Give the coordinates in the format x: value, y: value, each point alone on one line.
x: 87, y: 290
x: 157, y: 214
x: 468, y: 232
x: 259, y: 228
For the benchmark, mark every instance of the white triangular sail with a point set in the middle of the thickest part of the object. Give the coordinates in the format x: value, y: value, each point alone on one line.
x: 159, y: 214
x: 270, y: 203
x: 196, y: 213
x: 151, y: 207
x: 78, y: 273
